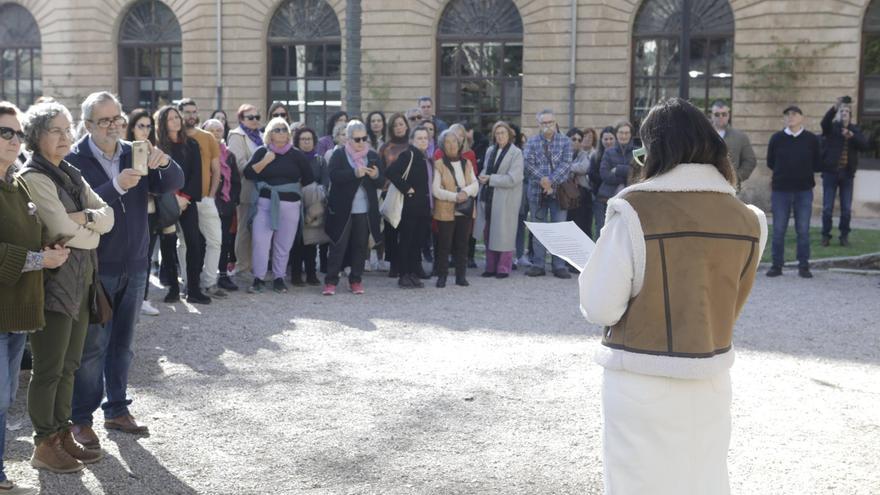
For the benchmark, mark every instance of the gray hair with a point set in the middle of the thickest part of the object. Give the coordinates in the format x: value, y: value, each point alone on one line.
x: 418, y: 128
x: 212, y: 123
x: 354, y: 125
x: 36, y: 122
x: 95, y: 99
x: 542, y: 113
x: 412, y: 111
x: 444, y: 136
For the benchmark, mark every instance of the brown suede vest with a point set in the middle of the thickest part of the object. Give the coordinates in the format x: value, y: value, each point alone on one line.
x: 444, y: 211
x: 701, y: 255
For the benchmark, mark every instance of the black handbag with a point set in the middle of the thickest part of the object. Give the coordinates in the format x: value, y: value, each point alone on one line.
x: 466, y: 208
x: 167, y: 210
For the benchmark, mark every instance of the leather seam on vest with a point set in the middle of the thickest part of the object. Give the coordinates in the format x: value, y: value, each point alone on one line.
x: 670, y: 353
x: 748, y: 262
x: 672, y: 235
x: 666, y: 297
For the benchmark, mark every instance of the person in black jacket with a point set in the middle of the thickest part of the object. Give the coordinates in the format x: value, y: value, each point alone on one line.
x: 842, y: 141
x: 352, y: 206
x: 410, y: 174
x: 793, y: 155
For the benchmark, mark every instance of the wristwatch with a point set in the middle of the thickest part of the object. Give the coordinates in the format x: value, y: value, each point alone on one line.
x: 90, y: 217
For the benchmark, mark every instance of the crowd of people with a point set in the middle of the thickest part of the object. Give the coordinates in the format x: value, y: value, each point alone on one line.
x: 267, y: 202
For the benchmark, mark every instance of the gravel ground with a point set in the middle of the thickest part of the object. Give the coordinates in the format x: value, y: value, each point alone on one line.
x: 489, y: 389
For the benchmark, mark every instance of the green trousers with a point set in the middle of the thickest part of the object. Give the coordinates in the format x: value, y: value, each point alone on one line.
x: 57, y: 351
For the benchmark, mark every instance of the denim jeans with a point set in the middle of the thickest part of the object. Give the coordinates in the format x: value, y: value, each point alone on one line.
x: 11, y: 349
x: 831, y: 183
x: 547, y: 212
x: 107, y: 353
x: 782, y: 204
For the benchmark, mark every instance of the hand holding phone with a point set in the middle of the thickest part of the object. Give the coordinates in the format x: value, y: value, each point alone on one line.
x: 140, y: 154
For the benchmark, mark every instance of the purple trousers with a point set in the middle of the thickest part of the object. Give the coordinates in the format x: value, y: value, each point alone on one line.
x: 280, y: 241
x: 499, y: 261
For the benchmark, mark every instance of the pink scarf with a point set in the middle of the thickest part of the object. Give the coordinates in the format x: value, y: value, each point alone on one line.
x: 226, y: 173
x: 282, y: 150
x: 356, y: 159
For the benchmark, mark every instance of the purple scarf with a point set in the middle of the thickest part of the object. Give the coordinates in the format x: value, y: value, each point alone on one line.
x: 280, y: 151
x: 357, y: 159
x: 253, y: 134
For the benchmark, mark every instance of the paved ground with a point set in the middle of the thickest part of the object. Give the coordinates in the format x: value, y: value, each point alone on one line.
x: 489, y: 389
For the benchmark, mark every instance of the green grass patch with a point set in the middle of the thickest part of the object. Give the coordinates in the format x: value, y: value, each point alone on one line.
x: 862, y: 241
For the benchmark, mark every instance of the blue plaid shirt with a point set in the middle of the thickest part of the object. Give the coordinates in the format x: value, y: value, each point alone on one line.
x: 537, y: 165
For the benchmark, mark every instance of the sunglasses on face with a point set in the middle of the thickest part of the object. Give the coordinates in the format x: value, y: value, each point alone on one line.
x: 362, y: 139
x: 721, y: 114
x: 279, y: 130
x: 8, y: 133
x: 119, y: 120
x: 251, y: 117
x: 415, y: 118
x: 276, y: 115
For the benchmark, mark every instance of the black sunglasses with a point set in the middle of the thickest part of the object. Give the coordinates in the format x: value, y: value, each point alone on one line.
x: 8, y: 133
x: 251, y: 117
x: 276, y: 115
x: 362, y: 139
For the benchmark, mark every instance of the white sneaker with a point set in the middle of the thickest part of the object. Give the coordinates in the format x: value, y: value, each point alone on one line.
x: 367, y: 266
x: 523, y: 261
x: 148, y: 309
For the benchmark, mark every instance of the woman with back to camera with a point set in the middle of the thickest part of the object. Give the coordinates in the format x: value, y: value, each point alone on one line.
x: 668, y: 279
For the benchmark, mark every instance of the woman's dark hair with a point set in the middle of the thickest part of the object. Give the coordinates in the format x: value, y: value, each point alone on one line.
x: 520, y: 138
x: 389, y: 127
x: 606, y: 130
x: 676, y: 132
x: 374, y: 138
x: 331, y: 122
x: 304, y: 130
x: 574, y: 130
x: 163, y: 138
x: 225, y: 121
x: 8, y: 108
x: 133, y: 117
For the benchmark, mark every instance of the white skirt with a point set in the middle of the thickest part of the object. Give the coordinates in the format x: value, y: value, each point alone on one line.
x: 665, y: 435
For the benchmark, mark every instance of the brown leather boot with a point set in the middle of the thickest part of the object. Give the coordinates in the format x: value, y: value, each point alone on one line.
x: 50, y: 455
x: 85, y: 435
x: 77, y: 451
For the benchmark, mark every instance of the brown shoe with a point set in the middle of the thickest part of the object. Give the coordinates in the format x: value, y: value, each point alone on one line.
x: 126, y: 424
x: 50, y: 455
x: 85, y: 435
x: 77, y: 451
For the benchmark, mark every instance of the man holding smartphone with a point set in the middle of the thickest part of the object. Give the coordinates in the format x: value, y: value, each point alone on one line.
x: 105, y: 161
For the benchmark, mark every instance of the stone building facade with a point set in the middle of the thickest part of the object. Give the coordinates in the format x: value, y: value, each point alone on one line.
x: 806, y: 52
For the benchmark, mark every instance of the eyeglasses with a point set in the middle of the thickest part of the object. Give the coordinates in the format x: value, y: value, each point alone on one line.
x: 362, y: 139
x: 251, y: 117
x: 279, y: 130
x: 145, y: 126
x: 119, y: 120
x: 639, y: 156
x: 8, y: 133
x: 280, y: 114
x: 415, y: 118
x: 721, y: 114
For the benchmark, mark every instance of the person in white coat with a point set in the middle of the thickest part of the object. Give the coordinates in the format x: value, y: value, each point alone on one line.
x: 668, y: 278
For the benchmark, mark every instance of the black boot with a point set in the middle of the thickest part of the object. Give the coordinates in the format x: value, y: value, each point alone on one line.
x: 173, y: 294
x: 312, y: 279
x: 461, y: 282
x: 441, y: 281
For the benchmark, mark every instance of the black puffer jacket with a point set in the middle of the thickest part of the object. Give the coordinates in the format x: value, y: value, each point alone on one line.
x: 833, y: 142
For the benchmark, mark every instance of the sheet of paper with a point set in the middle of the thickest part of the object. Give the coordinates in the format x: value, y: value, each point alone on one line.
x: 565, y: 240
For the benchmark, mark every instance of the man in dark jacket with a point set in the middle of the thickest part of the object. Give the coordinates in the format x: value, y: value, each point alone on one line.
x: 793, y: 155
x: 840, y: 157
x: 106, y: 163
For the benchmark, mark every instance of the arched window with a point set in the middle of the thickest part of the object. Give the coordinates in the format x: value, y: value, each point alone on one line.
x: 682, y: 48
x: 305, y: 57
x: 480, y: 62
x: 21, y: 78
x: 869, y: 99
x: 150, y: 66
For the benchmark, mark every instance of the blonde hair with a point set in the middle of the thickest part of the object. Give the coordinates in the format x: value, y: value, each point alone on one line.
x: 275, y: 123
x: 465, y: 146
x: 511, y: 135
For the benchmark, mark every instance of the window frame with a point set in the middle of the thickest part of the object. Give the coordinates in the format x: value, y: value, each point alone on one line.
x: 34, y: 48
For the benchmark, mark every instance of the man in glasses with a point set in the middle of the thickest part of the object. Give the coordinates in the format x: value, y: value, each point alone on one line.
x: 209, y: 218
x: 742, y: 156
x: 105, y: 161
x: 414, y: 117
x: 242, y: 142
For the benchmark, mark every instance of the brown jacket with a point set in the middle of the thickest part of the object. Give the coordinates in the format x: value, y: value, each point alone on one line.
x: 444, y: 205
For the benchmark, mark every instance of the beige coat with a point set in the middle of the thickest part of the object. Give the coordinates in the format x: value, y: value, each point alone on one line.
x: 506, y: 200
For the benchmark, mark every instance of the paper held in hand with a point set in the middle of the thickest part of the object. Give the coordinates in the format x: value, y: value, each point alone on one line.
x: 565, y: 240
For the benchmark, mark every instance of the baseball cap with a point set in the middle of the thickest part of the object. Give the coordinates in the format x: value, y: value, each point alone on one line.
x: 792, y: 108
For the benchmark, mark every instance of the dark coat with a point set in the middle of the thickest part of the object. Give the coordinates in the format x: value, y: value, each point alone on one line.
x: 615, y: 169
x: 419, y: 203
x: 833, y: 141
x: 125, y: 247
x: 343, y: 187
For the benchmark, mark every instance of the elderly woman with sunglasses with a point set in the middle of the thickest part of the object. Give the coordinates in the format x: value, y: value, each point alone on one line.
x: 243, y: 141
x: 22, y: 259
x: 74, y: 215
x: 279, y: 171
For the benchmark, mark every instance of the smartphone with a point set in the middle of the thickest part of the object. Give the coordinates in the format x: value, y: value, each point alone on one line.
x: 846, y: 99
x: 61, y: 239
x: 140, y: 152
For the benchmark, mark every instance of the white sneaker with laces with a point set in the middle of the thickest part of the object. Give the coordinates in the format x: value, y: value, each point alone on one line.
x: 147, y: 309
